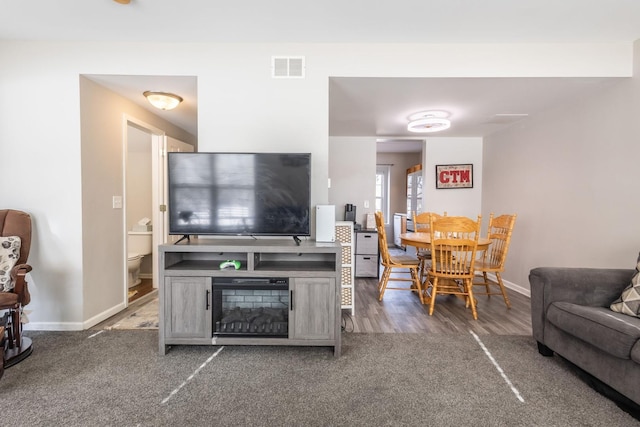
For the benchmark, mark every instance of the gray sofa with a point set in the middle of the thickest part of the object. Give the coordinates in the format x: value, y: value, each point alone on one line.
x: 570, y: 316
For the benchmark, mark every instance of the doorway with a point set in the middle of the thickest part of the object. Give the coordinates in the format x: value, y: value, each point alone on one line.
x: 138, y: 211
x: 144, y: 146
x: 145, y: 193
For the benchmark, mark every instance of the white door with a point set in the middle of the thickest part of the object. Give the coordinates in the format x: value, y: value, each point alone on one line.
x: 173, y: 145
x: 163, y: 144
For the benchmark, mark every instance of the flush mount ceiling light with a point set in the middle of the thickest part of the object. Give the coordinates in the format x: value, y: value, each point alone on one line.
x: 163, y: 100
x: 428, y: 121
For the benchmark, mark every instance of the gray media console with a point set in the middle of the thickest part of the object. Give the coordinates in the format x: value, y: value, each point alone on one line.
x: 281, y: 294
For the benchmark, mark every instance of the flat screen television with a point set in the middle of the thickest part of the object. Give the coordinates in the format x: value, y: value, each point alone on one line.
x: 244, y: 194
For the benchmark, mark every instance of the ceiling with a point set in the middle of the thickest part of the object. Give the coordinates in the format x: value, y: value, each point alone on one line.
x: 477, y: 106
x: 358, y: 106
x: 326, y: 21
x: 184, y: 116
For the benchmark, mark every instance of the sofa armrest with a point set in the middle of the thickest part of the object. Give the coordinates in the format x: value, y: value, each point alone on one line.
x: 584, y: 286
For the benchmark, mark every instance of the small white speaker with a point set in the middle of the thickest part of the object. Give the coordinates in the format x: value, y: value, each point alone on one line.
x: 325, y: 223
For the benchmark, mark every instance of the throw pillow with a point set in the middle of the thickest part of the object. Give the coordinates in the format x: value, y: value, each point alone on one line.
x: 9, y: 254
x: 629, y: 300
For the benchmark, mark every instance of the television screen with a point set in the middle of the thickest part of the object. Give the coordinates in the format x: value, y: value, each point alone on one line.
x: 239, y: 193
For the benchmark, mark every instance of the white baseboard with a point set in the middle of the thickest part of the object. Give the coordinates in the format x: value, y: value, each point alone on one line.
x: 52, y: 326
x: 514, y: 287
x: 104, y: 315
x: 74, y: 326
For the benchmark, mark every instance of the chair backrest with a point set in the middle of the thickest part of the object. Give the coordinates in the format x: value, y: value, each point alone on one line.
x: 422, y: 220
x: 499, y: 232
x: 454, y: 242
x: 17, y: 223
x: 385, y: 257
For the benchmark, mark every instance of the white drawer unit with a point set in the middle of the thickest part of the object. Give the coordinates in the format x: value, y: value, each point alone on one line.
x: 366, y: 253
x: 344, y: 235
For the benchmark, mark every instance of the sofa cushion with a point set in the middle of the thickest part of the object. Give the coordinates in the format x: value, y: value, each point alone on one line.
x: 9, y: 255
x: 609, y: 331
x: 629, y: 301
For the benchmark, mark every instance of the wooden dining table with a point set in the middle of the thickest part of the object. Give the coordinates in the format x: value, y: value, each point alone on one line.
x: 423, y: 241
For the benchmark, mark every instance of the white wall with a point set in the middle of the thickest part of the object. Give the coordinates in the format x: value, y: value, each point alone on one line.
x: 571, y: 175
x: 458, y: 201
x: 352, y: 169
x: 68, y: 169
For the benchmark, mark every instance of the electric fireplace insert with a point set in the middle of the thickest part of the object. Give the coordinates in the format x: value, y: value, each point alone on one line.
x: 251, y: 307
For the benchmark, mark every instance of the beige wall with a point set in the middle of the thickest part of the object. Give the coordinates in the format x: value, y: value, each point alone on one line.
x: 103, y: 227
x: 571, y: 175
x: 352, y: 169
x: 139, y: 181
x: 444, y: 151
x: 399, y: 162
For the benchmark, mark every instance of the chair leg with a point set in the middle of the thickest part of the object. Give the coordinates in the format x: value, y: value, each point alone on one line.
x: 416, y: 279
x: 15, y: 326
x: 503, y: 290
x: 11, y: 329
x: 434, y: 293
x: 422, y: 269
x: 468, y: 284
x: 487, y: 284
x: 427, y: 290
x: 384, y: 281
x: 381, y: 281
x: 10, y: 339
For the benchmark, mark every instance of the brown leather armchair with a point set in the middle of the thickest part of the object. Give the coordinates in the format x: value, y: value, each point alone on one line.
x: 16, y: 223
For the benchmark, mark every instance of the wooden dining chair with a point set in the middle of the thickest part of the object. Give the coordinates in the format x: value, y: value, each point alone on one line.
x: 454, y: 243
x: 421, y: 223
x: 393, y: 264
x: 493, y: 259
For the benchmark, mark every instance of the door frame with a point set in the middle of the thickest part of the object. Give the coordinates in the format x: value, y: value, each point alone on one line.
x: 158, y: 170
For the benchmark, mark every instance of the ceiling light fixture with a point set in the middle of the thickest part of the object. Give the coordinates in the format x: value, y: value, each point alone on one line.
x: 163, y: 100
x: 428, y: 121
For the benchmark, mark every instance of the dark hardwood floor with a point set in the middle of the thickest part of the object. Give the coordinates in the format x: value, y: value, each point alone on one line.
x: 140, y: 290
x: 402, y: 312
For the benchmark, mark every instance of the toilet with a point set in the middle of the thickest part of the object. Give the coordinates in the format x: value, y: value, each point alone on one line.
x: 138, y: 245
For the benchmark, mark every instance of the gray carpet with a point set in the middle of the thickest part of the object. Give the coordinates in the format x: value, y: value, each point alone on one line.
x: 117, y: 378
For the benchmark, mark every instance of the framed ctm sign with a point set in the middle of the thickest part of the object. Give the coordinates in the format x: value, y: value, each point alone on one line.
x: 454, y: 176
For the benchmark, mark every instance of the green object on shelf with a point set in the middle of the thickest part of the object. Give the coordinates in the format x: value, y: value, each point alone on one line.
x: 230, y: 264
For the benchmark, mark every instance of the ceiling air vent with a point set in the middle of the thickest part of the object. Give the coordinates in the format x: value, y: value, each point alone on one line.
x: 506, y: 118
x: 287, y: 67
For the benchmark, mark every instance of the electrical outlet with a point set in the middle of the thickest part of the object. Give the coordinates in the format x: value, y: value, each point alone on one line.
x: 117, y: 202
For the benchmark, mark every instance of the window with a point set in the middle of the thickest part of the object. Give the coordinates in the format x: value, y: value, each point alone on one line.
x: 382, y: 190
